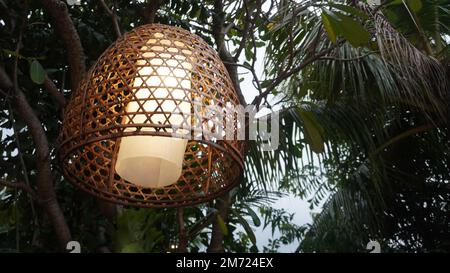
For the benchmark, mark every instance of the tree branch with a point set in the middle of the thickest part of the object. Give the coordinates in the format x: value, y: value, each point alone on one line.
x: 183, y: 239
x: 225, y: 55
x: 245, y: 33
x: 65, y: 28
x: 331, y: 58
x: 195, y: 229
x: 151, y: 10
x: 256, y: 82
x: 113, y: 16
x: 19, y: 185
x: 54, y: 92
x: 217, y: 236
x: 23, y: 23
x: 295, y: 70
x: 22, y: 162
x: 403, y: 135
x: 224, y: 202
x: 45, y: 191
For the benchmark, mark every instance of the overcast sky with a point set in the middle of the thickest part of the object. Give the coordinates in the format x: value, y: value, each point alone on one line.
x: 290, y: 203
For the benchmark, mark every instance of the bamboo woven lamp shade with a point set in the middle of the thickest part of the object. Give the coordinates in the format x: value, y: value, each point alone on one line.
x: 142, y: 86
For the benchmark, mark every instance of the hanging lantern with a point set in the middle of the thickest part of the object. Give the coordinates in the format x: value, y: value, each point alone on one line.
x: 131, y: 133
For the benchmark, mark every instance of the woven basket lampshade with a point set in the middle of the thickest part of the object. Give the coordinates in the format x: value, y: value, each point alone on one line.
x: 128, y: 134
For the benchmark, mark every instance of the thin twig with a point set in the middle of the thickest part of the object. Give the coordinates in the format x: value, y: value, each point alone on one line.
x: 19, y: 185
x: 54, y: 92
x: 15, y: 87
x: 422, y: 35
x: 245, y: 33
x: 199, y: 226
x: 347, y: 60
x: 5, y: 94
x: 403, y: 135
x: 297, y: 69
x: 113, y: 16
x: 20, y: 155
x: 252, y: 70
x: 228, y: 28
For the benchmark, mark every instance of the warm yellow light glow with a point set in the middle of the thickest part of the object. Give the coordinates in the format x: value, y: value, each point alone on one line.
x: 153, y: 161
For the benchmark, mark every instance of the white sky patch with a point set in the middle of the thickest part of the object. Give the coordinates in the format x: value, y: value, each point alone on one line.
x: 290, y: 203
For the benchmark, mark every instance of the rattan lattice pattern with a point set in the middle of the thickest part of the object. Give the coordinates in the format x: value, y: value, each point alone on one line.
x: 97, y: 117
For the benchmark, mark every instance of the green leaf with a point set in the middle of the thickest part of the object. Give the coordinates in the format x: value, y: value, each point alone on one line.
x: 391, y: 15
x: 248, y: 53
x: 353, y: 31
x: 394, y: 3
x: 13, y: 54
x: 350, y: 10
x: 339, y: 24
x: 222, y: 225
x: 247, y: 229
x: 415, y: 5
x: 313, y: 130
x: 7, y: 219
x: 260, y: 43
x: 37, y: 72
x: 255, y: 218
x: 327, y: 23
x: 197, y: 12
x: 51, y: 70
x: 132, y: 248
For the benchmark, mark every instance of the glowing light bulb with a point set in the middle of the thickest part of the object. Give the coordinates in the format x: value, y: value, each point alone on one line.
x: 160, y: 86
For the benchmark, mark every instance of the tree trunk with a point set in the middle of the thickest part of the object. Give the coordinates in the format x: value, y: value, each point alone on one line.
x: 216, y: 243
x: 45, y: 190
x: 183, y: 240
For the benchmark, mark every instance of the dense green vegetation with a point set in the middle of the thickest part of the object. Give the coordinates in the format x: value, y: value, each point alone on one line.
x: 362, y: 92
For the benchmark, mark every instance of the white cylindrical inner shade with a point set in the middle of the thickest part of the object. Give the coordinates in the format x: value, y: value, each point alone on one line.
x: 151, y: 161
x: 161, y: 87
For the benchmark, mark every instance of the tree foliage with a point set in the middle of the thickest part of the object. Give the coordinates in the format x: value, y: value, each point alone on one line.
x: 363, y: 97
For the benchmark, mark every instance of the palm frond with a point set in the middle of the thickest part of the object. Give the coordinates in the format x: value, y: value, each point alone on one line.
x: 422, y: 78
